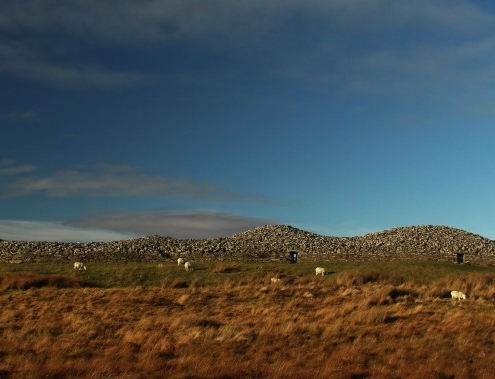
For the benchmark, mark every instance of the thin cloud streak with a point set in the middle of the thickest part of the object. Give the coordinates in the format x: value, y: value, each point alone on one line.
x: 183, y: 225
x: 115, y: 181
x: 19, y: 230
x: 28, y: 63
x: 9, y: 168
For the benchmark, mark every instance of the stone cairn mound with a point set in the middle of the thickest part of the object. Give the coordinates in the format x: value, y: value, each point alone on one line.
x: 267, y: 243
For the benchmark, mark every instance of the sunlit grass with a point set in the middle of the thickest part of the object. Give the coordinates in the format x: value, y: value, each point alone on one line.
x: 108, y: 275
x: 228, y: 320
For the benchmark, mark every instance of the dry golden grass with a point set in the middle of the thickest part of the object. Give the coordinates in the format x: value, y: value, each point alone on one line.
x: 222, y: 268
x: 357, y: 326
x: 25, y: 281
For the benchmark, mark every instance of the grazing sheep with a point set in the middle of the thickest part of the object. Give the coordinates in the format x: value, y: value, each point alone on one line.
x: 180, y: 261
x: 458, y: 295
x: 320, y: 271
x: 189, y: 266
x: 275, y: 280
x: 79, y: 266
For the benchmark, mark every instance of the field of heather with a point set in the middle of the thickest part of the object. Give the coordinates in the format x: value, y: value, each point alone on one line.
x: 361, y: 320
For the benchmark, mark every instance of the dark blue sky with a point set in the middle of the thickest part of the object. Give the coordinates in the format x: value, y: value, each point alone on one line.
x: 206, y: 118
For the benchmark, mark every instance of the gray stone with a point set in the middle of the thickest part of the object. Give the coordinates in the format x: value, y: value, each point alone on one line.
x: 267, y: 243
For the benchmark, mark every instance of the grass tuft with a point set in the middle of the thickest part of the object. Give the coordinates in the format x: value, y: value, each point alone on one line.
x: 27, y: 281
x: 358, y: 278
x: 174, y: 283
x: 223, y: 268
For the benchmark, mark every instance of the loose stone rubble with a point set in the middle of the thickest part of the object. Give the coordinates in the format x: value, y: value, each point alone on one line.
x: 267, y: 243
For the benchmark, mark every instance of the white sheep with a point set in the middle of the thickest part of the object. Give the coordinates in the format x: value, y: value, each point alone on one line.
x: 189, y: 266
x: 320, y: 271
x: 180, y: 261
x: 458, y: 295
x: 275, y: 280
x: 79, y: 266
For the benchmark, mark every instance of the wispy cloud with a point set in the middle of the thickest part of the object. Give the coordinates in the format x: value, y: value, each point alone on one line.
x: 126, y: 21
x: 17, y: 230
x: 331, y: 29
x: 189, y: 224
x: 8, y: 167
x: 127, y: 225
x: 114, y: 181
x: 28, y: 62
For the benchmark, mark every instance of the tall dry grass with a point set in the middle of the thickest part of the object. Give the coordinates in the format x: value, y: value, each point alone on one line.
x: 359, y: 325
x: 29, y: 280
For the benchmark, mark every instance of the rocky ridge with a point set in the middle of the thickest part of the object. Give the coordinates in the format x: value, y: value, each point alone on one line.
x: 267, y: 243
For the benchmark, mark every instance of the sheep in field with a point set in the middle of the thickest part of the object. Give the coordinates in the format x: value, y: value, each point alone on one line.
x: 79, y: 266
x: 180, y: 261
x: 320, y: 271
x: 189, y: 266
x: 275, y: 280
x: 458, y: 295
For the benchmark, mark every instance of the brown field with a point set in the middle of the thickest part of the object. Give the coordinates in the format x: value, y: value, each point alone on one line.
x: 352, y: 324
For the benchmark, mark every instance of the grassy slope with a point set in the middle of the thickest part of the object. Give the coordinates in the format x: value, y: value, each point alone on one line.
x: 364, y: 320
